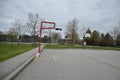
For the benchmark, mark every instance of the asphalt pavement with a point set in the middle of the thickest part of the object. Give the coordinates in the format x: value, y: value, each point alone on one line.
x: 73, y: 64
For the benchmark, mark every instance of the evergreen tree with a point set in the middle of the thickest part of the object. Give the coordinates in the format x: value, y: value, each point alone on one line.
x: 118, y: 40
x: 108, y: 40
x: 95, y: 38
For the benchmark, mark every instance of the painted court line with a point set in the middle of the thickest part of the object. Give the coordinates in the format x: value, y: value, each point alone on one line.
x: 54, y: 58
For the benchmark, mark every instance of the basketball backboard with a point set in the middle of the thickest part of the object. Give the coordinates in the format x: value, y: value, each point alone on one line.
x: 47, y: 25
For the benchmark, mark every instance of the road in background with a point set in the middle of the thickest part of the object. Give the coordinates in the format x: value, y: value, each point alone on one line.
x: 73, y: 64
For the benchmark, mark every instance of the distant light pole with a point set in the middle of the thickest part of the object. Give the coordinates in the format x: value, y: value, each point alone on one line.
x: 49, y: 33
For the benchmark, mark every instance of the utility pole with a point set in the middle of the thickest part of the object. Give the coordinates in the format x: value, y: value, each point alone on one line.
x: 18, y: 34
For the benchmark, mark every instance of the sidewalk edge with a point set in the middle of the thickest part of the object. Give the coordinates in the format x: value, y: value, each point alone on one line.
x: 12, y: 75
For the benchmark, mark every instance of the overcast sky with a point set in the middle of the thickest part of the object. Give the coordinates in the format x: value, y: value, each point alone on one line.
x: 101, y: 15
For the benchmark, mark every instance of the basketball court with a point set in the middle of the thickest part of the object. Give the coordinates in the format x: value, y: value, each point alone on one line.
x: 73, y: 64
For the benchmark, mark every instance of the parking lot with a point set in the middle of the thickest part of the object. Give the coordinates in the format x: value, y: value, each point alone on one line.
x: 73, y: 64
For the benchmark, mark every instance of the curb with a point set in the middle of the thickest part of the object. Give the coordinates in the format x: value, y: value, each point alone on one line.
x: 12, y: 75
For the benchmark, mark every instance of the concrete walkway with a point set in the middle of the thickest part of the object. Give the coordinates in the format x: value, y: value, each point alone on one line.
x: 10, y: 65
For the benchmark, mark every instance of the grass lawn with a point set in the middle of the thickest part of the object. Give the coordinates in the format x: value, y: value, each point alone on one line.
x: 10, y: 50
x: 79, y: 47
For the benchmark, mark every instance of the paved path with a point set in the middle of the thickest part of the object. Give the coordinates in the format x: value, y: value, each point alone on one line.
x: 73, y: 64
x: 8, y: 66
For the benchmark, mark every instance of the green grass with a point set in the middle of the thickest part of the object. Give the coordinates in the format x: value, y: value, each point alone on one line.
x: 79, y: 47
x: 10, y: 50
x: 58, y: 46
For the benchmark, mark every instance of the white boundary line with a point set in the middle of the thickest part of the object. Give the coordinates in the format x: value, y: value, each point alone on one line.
x: 54, y: 58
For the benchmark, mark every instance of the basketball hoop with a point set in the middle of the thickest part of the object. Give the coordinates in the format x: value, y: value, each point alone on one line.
x: 44, y: 25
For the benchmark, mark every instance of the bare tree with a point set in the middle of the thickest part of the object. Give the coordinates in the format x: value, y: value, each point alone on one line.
x: 11, y: 34
x: 116, y: 31
x: 71, y: 30
x: 32, y: 25
x: 82, y: 31
x: 55, y: 37
x: 19, y: 29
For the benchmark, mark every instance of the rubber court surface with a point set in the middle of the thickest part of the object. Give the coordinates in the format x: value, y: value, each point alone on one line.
x: 73, y: 64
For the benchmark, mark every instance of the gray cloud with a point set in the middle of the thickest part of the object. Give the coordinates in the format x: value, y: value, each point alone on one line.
x: 98, y: 14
